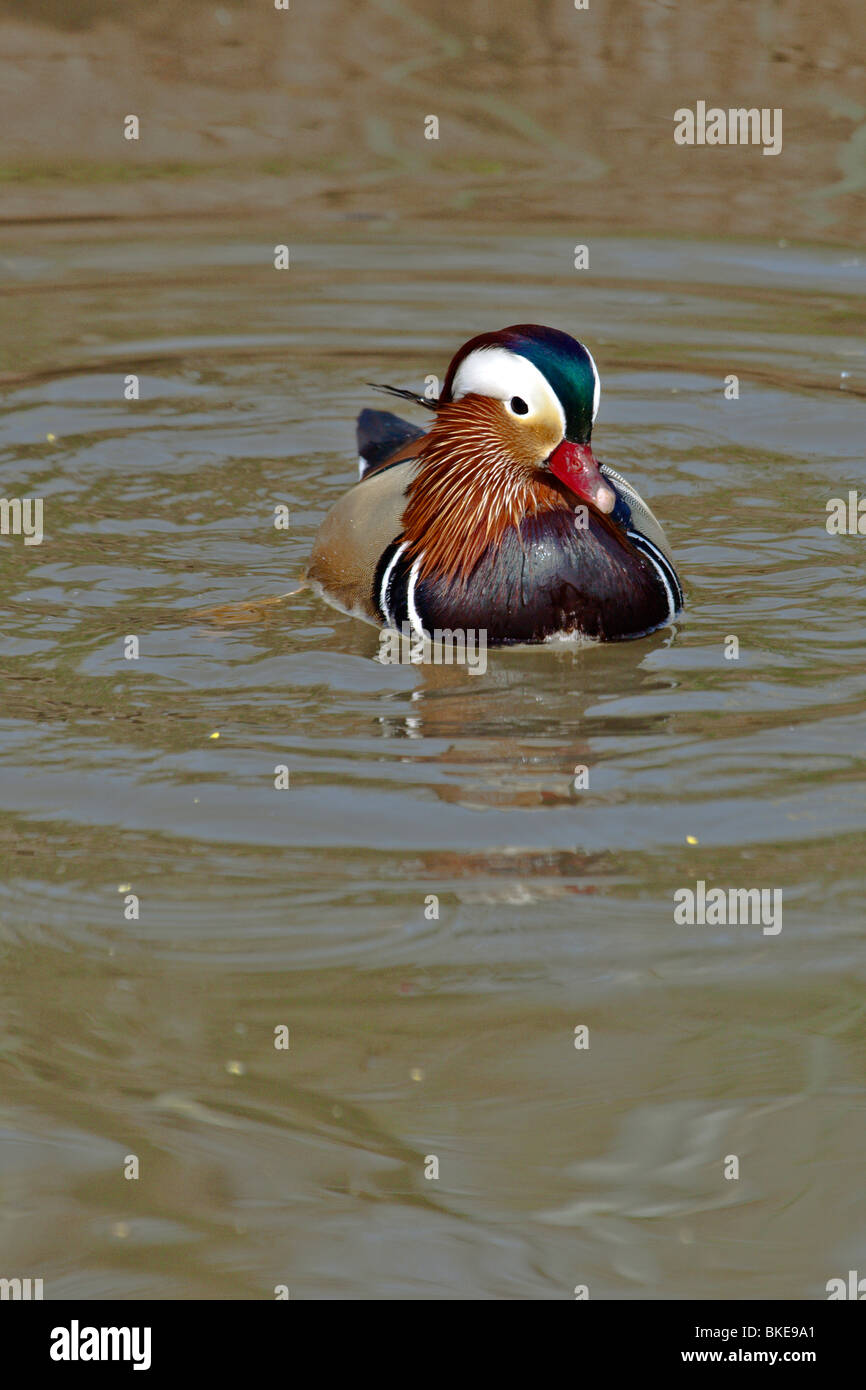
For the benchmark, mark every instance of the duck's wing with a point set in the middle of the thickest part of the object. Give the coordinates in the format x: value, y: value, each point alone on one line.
x: 633, y: 513
x: 644, y: 530
x: 361, y: 526
x: 357, y: 531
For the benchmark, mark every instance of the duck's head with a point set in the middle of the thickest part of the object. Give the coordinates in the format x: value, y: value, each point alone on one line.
x: 538, y: 390
x: 510, y: 439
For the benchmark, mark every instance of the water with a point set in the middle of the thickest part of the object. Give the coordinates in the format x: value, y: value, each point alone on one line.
x: 412, y: 1036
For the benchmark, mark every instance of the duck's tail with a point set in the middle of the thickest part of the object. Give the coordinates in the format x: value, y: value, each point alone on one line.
x: 381, y: 434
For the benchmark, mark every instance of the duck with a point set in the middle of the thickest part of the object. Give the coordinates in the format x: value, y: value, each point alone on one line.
x: 498, y: 517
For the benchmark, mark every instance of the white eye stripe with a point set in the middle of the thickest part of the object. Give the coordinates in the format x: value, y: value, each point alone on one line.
x: 496, y: 372
x: 500, y: 373
x: 596, y: 388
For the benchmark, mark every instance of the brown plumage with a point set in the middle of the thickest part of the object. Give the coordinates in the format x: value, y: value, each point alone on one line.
x: 477, y: 475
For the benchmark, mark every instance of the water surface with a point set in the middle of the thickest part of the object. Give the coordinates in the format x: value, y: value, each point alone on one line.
x: 413, y: 1036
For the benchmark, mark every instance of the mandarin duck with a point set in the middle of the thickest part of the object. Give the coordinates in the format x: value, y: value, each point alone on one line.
x: 499, y: 517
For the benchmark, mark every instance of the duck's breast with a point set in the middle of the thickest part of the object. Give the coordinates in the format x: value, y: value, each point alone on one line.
x: 547, y: 577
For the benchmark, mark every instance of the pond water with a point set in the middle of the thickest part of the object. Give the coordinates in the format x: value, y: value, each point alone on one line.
x: 414, y: 1036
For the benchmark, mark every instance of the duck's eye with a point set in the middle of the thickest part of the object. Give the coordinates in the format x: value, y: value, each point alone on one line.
x: 518, y: 405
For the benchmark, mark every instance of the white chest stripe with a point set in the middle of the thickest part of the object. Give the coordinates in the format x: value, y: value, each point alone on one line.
x: 414, y: 615
x: 383, y: 588
x: 656, y: 558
